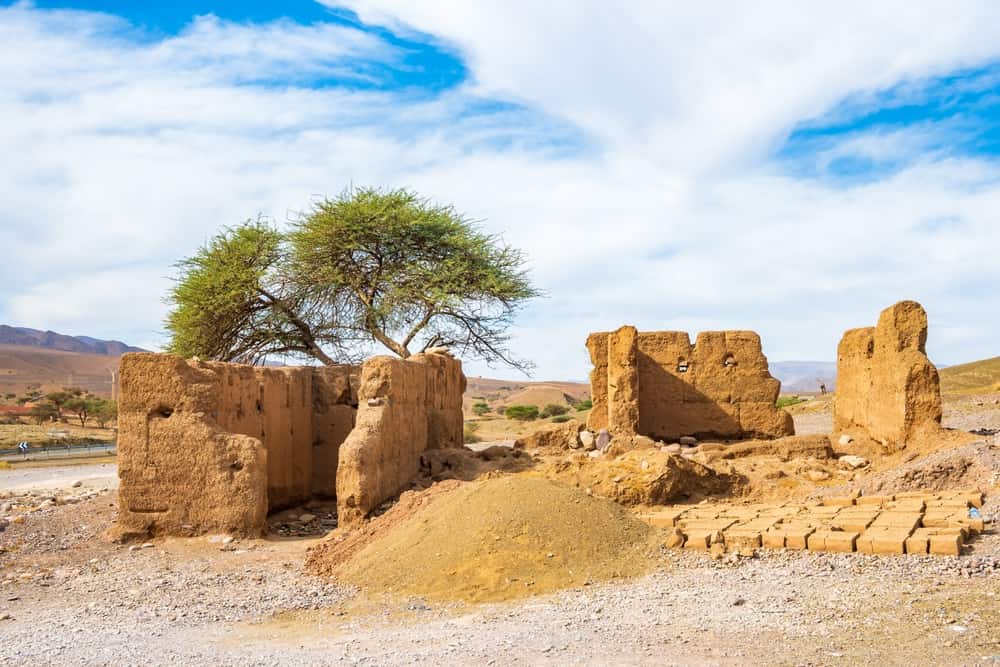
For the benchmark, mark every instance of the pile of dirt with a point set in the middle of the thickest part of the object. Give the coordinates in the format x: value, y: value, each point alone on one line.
x: 644, y: 477
x: 495, y: 539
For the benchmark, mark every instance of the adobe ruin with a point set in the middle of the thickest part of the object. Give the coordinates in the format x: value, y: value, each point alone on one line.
x: 658, y: 385
x: 214, y: 447
x: 887, y: 388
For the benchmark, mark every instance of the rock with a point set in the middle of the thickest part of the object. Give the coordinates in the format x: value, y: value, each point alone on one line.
x: 6, y: 617
x: 146, y: 545
x: 603, y: 439
x: 688, y: 441
x: 594, y: 454
x: 557, y: 436
x: 818, y: 475
x: 854, y: 462
x: 3, y: 524
x: 644, y: 465
x: 845, y: 440
x: 671, y: 449
x: 77, y: 484
x: 717, y: 551
x: 306, y: 518
x: 587, y: 440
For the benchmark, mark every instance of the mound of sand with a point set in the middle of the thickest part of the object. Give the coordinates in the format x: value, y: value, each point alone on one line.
x: 498, y: 539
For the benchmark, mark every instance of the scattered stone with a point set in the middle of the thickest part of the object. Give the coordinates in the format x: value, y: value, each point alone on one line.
x: 688, y: 441
x: 854, y: 462
x: 306, y: 518
x: 603, y: 439
x: 818, y: 475
x: 587, y: 440
x: 77, y: 484
x: 845, y: 440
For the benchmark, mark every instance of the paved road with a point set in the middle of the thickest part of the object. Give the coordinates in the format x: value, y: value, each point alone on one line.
x: 56, y: 453
x: 98, y: 475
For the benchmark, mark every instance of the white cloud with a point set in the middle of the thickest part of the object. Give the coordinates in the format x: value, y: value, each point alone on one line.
x: 122, y: 155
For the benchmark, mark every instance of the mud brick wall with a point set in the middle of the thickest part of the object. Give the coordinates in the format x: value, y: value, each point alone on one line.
x: 887, y: 388
x: 405, y: 407
x: 212, y: 447
x: 660, y: 385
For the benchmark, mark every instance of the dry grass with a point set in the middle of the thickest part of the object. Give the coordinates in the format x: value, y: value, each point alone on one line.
x: 11, y: 434
x: 978, y: 377
x: 491, y: 428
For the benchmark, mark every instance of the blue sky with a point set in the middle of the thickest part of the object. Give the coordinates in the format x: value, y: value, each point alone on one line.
x: 791, y: 170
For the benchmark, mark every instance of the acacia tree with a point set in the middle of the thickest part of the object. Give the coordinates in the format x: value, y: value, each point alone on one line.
x: 368, y: 267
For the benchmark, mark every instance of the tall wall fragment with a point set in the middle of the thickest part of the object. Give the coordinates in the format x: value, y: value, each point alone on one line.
x: 660, y: 385
x: 405, y: 408
x: 887, y: 388
x: 211, y: 446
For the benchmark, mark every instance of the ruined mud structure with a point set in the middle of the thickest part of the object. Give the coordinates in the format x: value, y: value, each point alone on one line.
x: 659, y: 385
x: 214, y: 447
x: 887, y: 388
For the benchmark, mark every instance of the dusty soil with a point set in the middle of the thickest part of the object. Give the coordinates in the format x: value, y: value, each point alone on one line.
x: 499, y: 539
x: 68, y: 597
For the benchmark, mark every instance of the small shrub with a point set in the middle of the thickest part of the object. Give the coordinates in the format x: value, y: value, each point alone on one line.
x: 554, y: 410
x: 559, y: 419
x: 585, y: 404
x: 785, y: 401
x: 522, y: 413
x: 480, y: 409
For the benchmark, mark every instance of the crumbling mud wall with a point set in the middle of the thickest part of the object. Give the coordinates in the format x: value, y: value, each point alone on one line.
x: 406, y: 406
x: 335, y: 403
x: 659, y: 385
x: 887, y: 388
x: 212, y: 447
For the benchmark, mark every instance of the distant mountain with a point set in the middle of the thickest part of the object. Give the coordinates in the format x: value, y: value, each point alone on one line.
x: 51, y: 340
x: 804, y: 376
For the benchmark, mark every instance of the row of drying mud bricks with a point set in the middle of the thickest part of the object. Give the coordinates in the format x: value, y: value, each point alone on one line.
x: 912, y: 523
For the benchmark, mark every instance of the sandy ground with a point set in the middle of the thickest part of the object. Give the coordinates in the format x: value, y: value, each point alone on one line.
x: 69, y: 597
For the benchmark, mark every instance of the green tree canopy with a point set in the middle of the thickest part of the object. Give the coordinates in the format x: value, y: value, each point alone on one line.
x: 368, y: 267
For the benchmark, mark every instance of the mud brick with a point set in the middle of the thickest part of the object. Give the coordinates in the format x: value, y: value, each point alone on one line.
x: 663, y: 519
x: 906, y: 506
x: 903, y: 520
x: 886, y: 541
x: 945, y: 545
x: 873, y: 500
x: 974, y: 498
x: 841, y: 541
x: 853, y: 521
x: 838, y: 501
x: 917, y: 543
x: 704, y: 524
x: 922, y: 495
x: 743, y: 541
x: 758, y: 525
x: 953, y: 505
x: 773, y: 539
x: 697, y: 539
x: 817, y: 541
x: 974, y: 525
x: 795, y: 538
x: 943, y: 519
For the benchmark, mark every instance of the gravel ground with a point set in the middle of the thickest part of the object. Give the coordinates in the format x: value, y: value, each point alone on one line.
x: 69, y: 597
